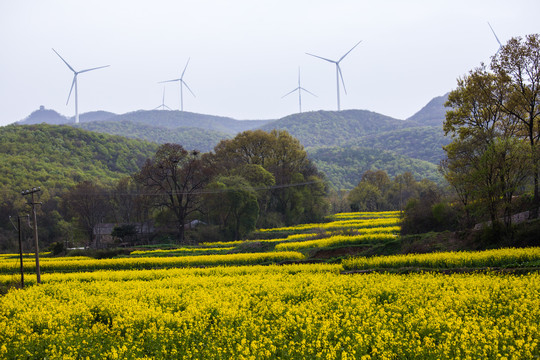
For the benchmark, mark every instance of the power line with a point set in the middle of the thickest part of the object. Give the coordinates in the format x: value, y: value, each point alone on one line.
x: 213, y: 191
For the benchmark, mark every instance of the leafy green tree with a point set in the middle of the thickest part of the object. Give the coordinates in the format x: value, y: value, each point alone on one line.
x: 486, y: 162
x: 233, y: 204
x: 517, y: 64
x: 289, y: 176
x: 176, y: 177
x: 88, y: 203
x: 365, y: 197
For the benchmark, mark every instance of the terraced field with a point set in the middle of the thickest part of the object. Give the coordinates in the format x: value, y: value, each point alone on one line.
x: 231, y: 304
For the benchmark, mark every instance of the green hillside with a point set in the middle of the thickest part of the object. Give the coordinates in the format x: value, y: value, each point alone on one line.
x: 58, y: 156
x: 344, y: 166
x: 433, y: 113
x: 175, y: 119
x: 189, y: 138
x: 47, y: 116
x: 329, y: 128
x: 424, y: 143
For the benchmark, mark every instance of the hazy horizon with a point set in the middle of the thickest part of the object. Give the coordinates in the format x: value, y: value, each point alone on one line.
x: 244, y: 55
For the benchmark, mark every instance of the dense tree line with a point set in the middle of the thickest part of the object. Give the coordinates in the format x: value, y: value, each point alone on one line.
x: 492, y: 163
x: 256, y: 179
x: 495, y: 124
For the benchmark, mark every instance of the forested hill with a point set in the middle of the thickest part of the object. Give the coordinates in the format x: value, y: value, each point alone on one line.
x: 175, y: 119
x: 433, y: 113
x: 329, y: 128
x: 159, y: 118
x: 423, y: 143
x: 60, y: 156
x: 344, y: 165
x: 46, y: 116
x: 190, y: 138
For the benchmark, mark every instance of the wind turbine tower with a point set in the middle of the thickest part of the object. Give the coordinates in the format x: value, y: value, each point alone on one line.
x: 163, y: 106
x: 182, y: 84
x: 299, y: 89
x: 338, y: 71
x: 493, y: 31
x: 74, y: 84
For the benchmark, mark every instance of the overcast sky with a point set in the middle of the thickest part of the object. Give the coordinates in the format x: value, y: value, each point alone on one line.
x: 245, y: 54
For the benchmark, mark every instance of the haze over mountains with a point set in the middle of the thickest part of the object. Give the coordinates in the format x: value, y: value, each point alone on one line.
x: 343, y: 144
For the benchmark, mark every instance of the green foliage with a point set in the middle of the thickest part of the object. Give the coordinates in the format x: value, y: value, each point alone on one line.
x: 344, y: 166
x: 232, y: 204
x: 423, y: 143
x: 57, y: 157
x: 177, y: 119
x: 428, y: 212
x: 377, y: 192
x: 332, y: 128
x: 190, y: 138
x: 265, y: 159
x: 433, y: 113
x: 493, y: 122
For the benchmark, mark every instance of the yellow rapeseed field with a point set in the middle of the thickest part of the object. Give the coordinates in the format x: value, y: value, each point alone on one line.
x: 339, y: 224
x: 59, y: 264
x: 272, y: 312
x: 443, y: 260
x: 218, y: 307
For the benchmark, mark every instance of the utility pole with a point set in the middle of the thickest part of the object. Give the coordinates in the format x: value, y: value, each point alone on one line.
x: 19, y: 229
x: 36, y: 244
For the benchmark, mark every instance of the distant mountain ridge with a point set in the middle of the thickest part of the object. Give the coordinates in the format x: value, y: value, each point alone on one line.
x: 433, y: 113
x: 170, y: 119
x: 358, y: 139
x: 189, y: 137
x: 329, y: 128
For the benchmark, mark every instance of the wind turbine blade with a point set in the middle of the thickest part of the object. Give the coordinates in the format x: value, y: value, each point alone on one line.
x: 358, y: 43
x: 341, y: 76
x: 309, y: 92
x: 167, y: 107
x: 65, y: 62
x: 290, y: 92
x: 182, y: 76
x: 183, y: 82
x: 320, y: 57
x: 299, y: 76
x: 72, y: 85
x: 493, y: 31
x: 166, y: 81
x: 99, y: 67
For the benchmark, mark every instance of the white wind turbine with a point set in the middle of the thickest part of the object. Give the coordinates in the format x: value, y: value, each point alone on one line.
x: 74, y: 84
x: 338, y: 71
x: 163, y: 106
x: 493, y: 31
x: 299, y: 89
x: 182, y: 83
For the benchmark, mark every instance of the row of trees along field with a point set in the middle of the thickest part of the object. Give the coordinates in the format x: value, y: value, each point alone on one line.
x: 494, y: 123
x: 493, y: 160
x: 258, y: 178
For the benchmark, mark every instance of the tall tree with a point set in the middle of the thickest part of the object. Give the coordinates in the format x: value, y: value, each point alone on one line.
x: 233, y: 203
x: 299, y: 189
x: 486, y: 128
x: 89, y: 204
x: 176, y: 177
x: 518, y: 64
